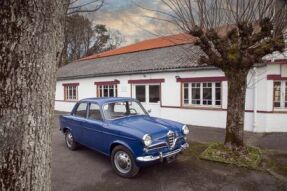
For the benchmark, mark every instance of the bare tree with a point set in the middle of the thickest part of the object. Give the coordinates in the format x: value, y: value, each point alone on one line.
x: 77, y: 6
x: 31, y: 39
x: 233, y: 36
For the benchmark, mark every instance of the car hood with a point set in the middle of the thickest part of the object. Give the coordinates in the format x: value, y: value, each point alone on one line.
x: 155, y: 127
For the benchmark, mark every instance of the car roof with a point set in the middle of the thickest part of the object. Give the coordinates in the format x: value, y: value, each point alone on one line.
x: 103, y: 100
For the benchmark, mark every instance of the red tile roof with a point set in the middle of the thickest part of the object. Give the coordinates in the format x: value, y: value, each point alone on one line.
x: 160, y: 42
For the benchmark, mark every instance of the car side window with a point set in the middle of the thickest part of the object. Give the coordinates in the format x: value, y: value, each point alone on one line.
x: 81, y: 110
x: 95, y: 112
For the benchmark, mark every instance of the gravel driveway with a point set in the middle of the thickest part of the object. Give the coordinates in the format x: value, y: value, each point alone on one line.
x: 87, y: 170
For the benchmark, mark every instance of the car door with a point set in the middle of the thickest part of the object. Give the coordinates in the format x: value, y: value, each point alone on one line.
x: 94, y: 128
x: 79, y: 117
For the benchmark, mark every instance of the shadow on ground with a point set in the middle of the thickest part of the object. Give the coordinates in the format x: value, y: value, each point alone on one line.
x: 189, y: 173
x: 182, y: 176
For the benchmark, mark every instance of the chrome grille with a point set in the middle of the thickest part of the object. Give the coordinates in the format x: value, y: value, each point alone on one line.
x: 170, y: 138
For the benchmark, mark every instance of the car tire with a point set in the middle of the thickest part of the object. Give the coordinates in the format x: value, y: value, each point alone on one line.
x: 128, y: 168
x: 70, y: 141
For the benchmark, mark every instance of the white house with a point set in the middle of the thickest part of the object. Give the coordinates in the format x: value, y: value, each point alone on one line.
x: 164, y: 75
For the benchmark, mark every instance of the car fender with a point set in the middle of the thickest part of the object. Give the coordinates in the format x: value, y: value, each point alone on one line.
x: 68, y: 128
x: 118, y: 142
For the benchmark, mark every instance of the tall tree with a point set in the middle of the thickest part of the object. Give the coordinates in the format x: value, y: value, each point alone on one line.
x: 104, y: 40
x: 82, y: 39
x: 76, y: 7
x: 31, y: 47
x: 233, y: 35
x: 31, y: 39
x: 78, y: 36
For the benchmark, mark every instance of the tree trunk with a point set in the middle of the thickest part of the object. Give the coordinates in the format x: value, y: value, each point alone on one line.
x: 31, y: 39
x: 236, y: 109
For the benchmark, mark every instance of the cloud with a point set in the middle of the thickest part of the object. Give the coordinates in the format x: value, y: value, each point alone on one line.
x: 133, y: 22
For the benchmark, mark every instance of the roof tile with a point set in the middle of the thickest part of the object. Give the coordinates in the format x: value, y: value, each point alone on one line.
x: 160, y: 42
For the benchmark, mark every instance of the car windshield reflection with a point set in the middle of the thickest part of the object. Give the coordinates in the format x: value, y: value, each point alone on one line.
x: 122, y: 109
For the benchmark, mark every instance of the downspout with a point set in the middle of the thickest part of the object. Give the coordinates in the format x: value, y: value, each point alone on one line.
x: 255, y: 100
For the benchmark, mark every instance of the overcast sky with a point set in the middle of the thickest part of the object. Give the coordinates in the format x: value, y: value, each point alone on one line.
x: 132, y: 21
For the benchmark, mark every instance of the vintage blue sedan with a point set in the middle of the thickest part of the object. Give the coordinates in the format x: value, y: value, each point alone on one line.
x: 122, y: 129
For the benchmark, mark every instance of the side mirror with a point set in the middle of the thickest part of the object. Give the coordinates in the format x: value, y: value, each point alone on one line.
x: 149, y: 111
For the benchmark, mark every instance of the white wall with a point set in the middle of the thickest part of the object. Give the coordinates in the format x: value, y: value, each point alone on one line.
x: 261, y: 121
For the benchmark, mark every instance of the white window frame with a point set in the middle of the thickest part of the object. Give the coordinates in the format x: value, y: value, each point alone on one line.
x: 101, y: 89
x: 67, y: 95
x: 147, y: 92
x: 213, y: 95
x: 283, y: 88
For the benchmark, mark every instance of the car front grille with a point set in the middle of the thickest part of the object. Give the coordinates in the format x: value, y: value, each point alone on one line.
x: 170, y: 138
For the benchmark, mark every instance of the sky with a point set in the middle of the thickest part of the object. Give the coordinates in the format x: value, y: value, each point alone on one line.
x: 132, y: 21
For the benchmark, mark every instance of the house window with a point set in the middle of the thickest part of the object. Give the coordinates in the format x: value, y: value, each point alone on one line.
x: 71, y: 92
x: 195, y: 92
x: 140, y: 93
x: 207, y: 93
x: 107, y: 90
x: 202, y: 93
x: 148, y: 93
x: 218, y: 93
x: 154, y: 93
x: 186, y: 93
x: 280, y: 94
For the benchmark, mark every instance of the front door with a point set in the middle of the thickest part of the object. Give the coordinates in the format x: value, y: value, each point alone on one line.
x: 149, y: 96
x: 79, y: 118
x: 94, y: 128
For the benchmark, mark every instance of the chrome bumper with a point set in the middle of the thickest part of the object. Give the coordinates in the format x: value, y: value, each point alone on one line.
x: 161, y: 156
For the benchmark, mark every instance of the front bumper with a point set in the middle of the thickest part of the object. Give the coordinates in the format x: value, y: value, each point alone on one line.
x: 161, y: 155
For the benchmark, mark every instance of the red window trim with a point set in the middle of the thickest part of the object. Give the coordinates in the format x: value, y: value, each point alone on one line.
x: 203, y: 79
x: 71, y: 84
x: 107, y: 82
x: 275, y: 77
x: 65, y: 90
x: 144, y: 81
x: 278, y: 61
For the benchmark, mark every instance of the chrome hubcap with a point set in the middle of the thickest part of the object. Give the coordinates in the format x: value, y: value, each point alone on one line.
x: 69, y: 139
x: 122, y: 162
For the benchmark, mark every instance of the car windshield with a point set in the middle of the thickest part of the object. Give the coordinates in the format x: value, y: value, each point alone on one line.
x: 122, y: 109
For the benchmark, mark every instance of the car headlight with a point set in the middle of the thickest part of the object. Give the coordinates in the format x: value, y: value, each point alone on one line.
x: 147, y: 140
x: 185, y: 130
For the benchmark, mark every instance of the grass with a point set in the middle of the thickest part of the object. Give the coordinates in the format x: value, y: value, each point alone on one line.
x: 195, y: 149
x: 251, y: 158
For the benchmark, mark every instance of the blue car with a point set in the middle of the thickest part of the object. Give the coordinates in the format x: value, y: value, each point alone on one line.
x: 122, y: 129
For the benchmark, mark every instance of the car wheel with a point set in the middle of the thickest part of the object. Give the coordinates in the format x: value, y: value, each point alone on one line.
x: 123, y: 162
x: 70, y: 142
